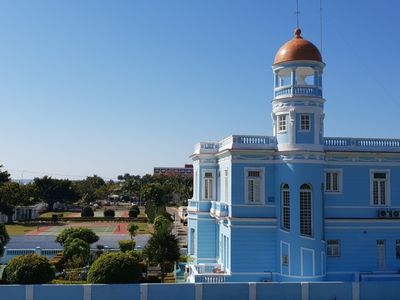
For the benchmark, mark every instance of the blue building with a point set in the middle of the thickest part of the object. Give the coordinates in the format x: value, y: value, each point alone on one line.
x: 295, y: 206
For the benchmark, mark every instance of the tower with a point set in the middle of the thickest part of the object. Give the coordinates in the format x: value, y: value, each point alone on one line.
x: 297, y: 114
x: 297, y: 106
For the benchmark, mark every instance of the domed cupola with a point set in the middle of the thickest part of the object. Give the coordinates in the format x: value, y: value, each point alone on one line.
x: 297, y: 49
x: 297, y: 105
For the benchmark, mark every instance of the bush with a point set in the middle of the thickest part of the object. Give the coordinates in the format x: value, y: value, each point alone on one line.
x: 162, y: 221
x: 126, y: 245
x: 117, y: 267
x: 109, y: 213
x: 134, y: 211
x: 76, y: 247
x: 81, y: 233
x: 87, y: 211
x: 4, y: 238
x: 28, y: 269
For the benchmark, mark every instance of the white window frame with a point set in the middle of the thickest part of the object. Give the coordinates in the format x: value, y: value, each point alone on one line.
x: 333, y: 248
x: 226, y: 185
x: 262, y: 185
x: 211, y: 197
x: 330, y: 190
x: 387, y: 187
x: 282, y: 123
x: 301, y: 122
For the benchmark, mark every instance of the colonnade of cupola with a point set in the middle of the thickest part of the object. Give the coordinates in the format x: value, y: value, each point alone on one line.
x: 298, y: 80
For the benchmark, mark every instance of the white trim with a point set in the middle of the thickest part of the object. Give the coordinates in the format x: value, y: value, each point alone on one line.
x: 362, y: 228
x: 305, y: 291
x: 143, y: 291
x: 360, y: 221
x: 87, y: 292
x: 289, y: 258
x: 29, y: 292
x: 302, y: 250
x: 253, y: 226
x: 198, y: 291
x: 323, y: 263
x: 252, y: 291
x: 355, y: 287
x: 387, y: 187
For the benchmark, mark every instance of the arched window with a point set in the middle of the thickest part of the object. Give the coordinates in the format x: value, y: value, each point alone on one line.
x: 305, y: 210
x: 285, y: 207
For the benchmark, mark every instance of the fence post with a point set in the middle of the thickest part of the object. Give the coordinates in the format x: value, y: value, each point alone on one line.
x: 38, y: 250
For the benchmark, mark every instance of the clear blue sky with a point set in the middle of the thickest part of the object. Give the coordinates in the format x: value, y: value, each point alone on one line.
x: 109, y: 87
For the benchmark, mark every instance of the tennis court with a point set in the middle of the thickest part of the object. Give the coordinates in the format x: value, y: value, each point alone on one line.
x: 100, y: 228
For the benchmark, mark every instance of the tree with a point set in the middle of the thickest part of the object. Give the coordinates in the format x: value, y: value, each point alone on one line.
x: 82, y: 233
x: 28, y: 269
x: 13, y: 194
x: 134, y: 211
x: 132, y: 228
x: 87, y: 211
x: 4, y: 176
x: 155, y: 200
x: 162, y: 221
x: 126, y: 245
x: 76, y: 247
x: 4, y: 238
x: 55, y: 190
x: 117, y: 267
x: 88, y: 189
x: 109, y: 213
x: 162, y: 249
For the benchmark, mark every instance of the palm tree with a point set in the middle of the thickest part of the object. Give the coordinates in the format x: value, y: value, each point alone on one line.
x: 162, y: 249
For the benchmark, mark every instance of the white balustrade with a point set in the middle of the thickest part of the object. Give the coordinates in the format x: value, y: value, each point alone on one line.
x: 361, y: 144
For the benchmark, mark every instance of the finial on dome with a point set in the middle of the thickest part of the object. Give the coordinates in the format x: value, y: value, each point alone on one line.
x: 297, y: 33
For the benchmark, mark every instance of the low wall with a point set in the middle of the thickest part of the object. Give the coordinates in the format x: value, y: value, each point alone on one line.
x: 205, y: 291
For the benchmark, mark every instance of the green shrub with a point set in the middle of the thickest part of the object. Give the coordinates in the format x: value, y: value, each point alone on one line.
x: 126, y: 245
x: 76, y: 247
x: 87, y: 211
x: 4, y: 238
x: 134, y: 211
x: 162, y: 221
x: 80, y: 232
x: 117, y: 267
x: 28, y: 269
x: 109, y: 213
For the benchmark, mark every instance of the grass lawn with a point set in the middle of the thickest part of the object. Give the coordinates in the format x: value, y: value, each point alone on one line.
x: 17, y: 229
x: 51, y: 213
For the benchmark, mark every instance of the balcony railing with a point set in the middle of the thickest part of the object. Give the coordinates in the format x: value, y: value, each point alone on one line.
x: 209, y: 273
x: 290, y: 91
x: 219, y: 209
x: 248, y: 142
x: 361, y: 144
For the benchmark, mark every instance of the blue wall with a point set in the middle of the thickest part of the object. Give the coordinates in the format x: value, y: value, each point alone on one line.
x: 215, y: 291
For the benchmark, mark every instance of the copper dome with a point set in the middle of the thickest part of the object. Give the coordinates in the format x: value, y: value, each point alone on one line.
x: 297, y: 49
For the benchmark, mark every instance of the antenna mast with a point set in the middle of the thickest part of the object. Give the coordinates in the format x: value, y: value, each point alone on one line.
x: 320, y: 22
x: 297, y: 12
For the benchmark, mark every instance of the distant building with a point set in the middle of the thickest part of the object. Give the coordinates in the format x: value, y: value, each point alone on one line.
x: 186, y: 171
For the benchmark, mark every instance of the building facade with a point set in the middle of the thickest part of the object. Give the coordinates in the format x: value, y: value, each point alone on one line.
x: 295, y: 206
x: 186, y: 171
